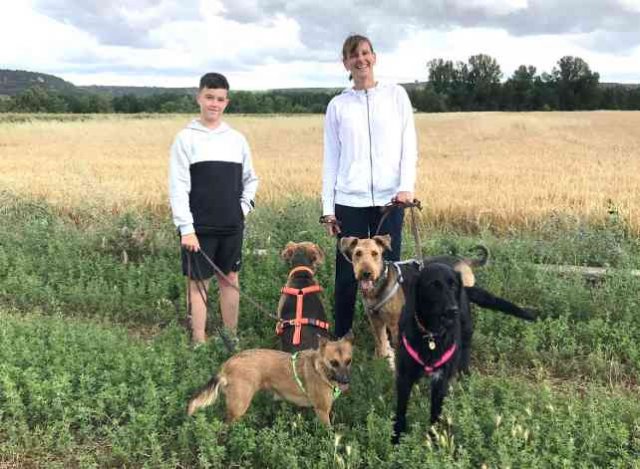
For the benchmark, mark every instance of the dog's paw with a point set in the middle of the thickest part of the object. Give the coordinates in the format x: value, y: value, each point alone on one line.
x: 530, y: 314
x: 391, y: 358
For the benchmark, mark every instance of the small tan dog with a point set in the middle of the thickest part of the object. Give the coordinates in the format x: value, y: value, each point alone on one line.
x: 311, y: 378
x: 380, y: 281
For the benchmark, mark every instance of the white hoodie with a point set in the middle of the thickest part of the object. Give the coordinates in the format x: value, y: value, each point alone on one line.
x: 370, y: 148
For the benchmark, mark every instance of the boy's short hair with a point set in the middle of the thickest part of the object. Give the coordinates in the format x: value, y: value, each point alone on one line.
x: 214, y: 81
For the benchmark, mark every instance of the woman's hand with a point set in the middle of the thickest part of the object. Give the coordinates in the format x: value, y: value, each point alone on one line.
x: 403, y: 197
x: 330, y: 223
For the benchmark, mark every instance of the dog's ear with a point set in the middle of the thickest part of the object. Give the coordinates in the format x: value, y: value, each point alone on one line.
x: 347, y: 244
x: 384, y: 241
x: 417, y: 298
x: 318, y: 255
x: 322, y: 342
x: 460, y: 287
x: 348, y: 336
x: 287, y: 252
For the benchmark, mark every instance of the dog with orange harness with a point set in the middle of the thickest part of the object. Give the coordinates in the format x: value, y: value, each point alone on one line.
x: 301, y: 316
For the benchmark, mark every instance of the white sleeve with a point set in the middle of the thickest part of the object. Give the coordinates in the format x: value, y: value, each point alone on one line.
x: 409, y: 156
x: 331, y: 160
x: 249, y: 180
x: 180, y: 186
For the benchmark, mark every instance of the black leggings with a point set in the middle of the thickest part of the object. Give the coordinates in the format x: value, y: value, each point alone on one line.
x: 361, y: 222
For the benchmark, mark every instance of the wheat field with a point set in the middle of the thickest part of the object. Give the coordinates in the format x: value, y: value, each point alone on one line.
x: 497, y: 170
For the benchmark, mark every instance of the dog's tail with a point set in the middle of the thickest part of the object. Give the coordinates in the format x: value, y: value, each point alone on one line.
x: 484, y: 299
x: 483, y: 258
x: 207, y: 395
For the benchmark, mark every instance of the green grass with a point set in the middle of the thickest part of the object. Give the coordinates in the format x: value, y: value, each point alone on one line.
x: 96, y: 371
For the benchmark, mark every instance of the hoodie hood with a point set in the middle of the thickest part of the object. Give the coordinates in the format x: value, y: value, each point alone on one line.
x: 370, y: 91
x: 196, y: 124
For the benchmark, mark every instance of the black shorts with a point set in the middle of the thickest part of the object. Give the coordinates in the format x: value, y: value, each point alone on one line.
x: 224, y: 251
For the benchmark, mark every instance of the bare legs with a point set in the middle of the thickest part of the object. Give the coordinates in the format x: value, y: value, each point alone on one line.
x: 229, y: 305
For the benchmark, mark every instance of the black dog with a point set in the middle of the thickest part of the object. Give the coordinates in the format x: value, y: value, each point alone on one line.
x: 436, y: 328
x: 302, y: 319
x: 435, y: 338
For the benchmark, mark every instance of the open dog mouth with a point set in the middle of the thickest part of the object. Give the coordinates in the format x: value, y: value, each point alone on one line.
x: 366, y: 285
x: 341, y: 382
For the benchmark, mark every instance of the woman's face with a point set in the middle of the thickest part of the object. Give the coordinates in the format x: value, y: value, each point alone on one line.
x: 360, y: 62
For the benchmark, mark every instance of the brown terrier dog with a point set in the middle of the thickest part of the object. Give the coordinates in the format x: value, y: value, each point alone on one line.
x: 311, y: 378
x: 300, y: 311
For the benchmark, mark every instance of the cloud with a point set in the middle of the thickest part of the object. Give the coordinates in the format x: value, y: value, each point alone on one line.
x: 284, y: 43
x: 325, y: 24
x: 315, y: 29
x: 618, y: 43
x: 117, y: 22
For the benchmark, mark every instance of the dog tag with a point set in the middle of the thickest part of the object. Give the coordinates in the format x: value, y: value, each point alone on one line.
x: 432, y: 344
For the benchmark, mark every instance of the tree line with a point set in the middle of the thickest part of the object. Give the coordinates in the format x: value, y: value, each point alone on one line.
x: 475, y: 85
x: 38, y: 99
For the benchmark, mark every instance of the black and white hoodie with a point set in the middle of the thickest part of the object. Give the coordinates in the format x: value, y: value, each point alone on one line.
x: 212, y: 183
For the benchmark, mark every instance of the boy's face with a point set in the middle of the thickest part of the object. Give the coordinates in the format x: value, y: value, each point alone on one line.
x: 213, y: 102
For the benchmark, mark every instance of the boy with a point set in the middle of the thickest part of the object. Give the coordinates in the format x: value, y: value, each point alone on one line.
x: 212, y: 186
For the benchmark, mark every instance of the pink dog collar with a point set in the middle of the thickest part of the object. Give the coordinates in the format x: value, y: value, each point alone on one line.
x: 428, y: 369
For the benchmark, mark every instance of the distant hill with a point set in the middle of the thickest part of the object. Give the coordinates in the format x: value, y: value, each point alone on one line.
x: 139, y: 91
x: 13, y: 82
x: 629, y: 86
x: 143, y: 91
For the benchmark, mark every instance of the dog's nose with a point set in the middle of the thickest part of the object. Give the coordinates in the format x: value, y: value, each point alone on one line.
x: 366, y: 275
x: 343, y: 379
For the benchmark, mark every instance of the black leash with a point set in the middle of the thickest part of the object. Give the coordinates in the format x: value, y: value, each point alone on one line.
x: 219, y: 271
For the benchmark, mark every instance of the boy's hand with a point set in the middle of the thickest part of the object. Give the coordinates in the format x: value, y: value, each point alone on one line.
x: 190, y: 242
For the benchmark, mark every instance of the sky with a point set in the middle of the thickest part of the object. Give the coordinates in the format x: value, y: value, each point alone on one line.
x: 267, y: 44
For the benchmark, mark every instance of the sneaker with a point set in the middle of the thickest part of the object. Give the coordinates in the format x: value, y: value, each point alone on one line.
x: 195, y: 345
x: 229, y: 341
x: 235, y: 340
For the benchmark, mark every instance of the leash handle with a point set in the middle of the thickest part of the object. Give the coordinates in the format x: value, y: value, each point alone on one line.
x: 397, y: 204
x: 394, y: 204
x: 329, y: 220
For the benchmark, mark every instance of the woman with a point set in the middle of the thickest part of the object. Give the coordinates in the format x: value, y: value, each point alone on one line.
x: 370, y: 154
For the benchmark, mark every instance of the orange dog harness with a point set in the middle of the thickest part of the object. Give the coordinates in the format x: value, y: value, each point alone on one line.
x: 300, y: 320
